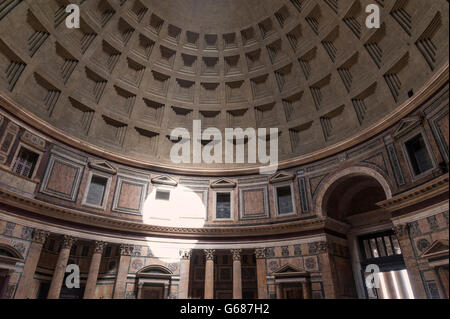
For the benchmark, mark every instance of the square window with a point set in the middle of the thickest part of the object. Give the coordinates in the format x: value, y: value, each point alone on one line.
x: 284, y: 200
x: 25, y: 162
x: 419, y: 157
x: 223, y: 205
x: 97, y: 191
x: 162, y: 195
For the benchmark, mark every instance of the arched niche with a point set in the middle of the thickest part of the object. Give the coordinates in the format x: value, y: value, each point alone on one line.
x: 352, y: 191
x: 153, y: 282
x: 9, y: 257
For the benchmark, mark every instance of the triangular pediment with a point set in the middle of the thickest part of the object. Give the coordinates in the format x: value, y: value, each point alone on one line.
x: 223, y: 183
x: 281, y: 177
x: 288, y: 268
x: 103, y: 166
x: 164, y: 180
x: 438, y: 248
x: 405, y: 125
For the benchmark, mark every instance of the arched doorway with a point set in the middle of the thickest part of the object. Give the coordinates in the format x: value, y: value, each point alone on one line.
x: 9, y: 257
x: 153, y: 282
x: 376, y: 265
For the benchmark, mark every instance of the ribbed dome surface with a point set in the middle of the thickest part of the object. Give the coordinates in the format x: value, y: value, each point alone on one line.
x: 137, y: 69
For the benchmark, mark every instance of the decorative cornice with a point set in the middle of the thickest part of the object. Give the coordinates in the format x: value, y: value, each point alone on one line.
x: 110, y: 223
x: 419, y: 194
x: 439, y: 78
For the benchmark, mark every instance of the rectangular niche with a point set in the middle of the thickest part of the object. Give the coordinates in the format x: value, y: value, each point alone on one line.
x: 122, y: 31
x: 166, y: 57
x: 112, y: 131
x: 130, y: 193
x: 133, y: 73
x: 151, y: 112
x: 155, y: 24
x: 232, y: 65
x: 294, y: 37
x: 254, y: 60
x: 211, y: 42
x: 184, y: 90
x: 302, y: 137
x: 63, y: 175
x: 293, y: 107
x: 106, y: 57
x: 333, y: 122
x: 100, y: 11
x: 93, y: 86
x: 137, y: 10
x: 237, y: 118
x: 287, y: 78
x: 210, y: 66
x: 173, y: 33
x: 11, y: 67
x: 122, y: 102
x: 192, y: 39
x: 209, y: 93
x: 209, y: 118
x: 248, y: 36
x: 158, y: 83
x: 76, y: 117
x: 42, y: 93
x: 266, y: 28
x: 146, y: 143
x: 261, y: 87
x: 266, y: 114
x: 181, y: 117
x: 284, y: 199
x: 253, y: 202
x: 235, y: 92
x: 277, y: 51
x: 188, y: 63
x: 144, y: 47
x: 223, y: 203
x: 229, y: 41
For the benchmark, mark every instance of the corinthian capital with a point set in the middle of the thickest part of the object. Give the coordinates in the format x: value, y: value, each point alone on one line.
x: 99, y: 246
x: 39, y: 236
x: 185, y: 254
x: 126, y: 249
x: 260, y: 253
x: 401, y: 231
x: 236, y: 254
x: 209, y: 253
x: 68, y: 241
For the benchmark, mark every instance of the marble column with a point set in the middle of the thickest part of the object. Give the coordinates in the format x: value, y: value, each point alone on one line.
x: 34, y: 253
x: 402, y: 233
x: 185, y: 264
x: 209, y: 273
x: 443, y: 276
x: 403, y: 291
x: 60, y: 269
x: 91, y: 283
x: 122, y: 272
x: 306, y: 288
x: 237, y: 273
x: 139, y: 292
x: 4, y: 279
x: 329, y: 279
x: 261, y: 272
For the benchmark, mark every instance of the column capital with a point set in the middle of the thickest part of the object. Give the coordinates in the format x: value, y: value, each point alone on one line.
x: 401, y: 231
x: 126, y: 249
x: 236, y: 254
x: 323, y: 247
x: 99, y: 246
x: 209, y: 253
x: 185, y: 254
x: 260, y: 253
x: 39, y: 235
x: 68, y: 241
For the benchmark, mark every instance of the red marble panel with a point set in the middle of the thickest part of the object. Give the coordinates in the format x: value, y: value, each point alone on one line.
x: 253, y: 202
x: 130, y: 196
x: 62, y: 178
